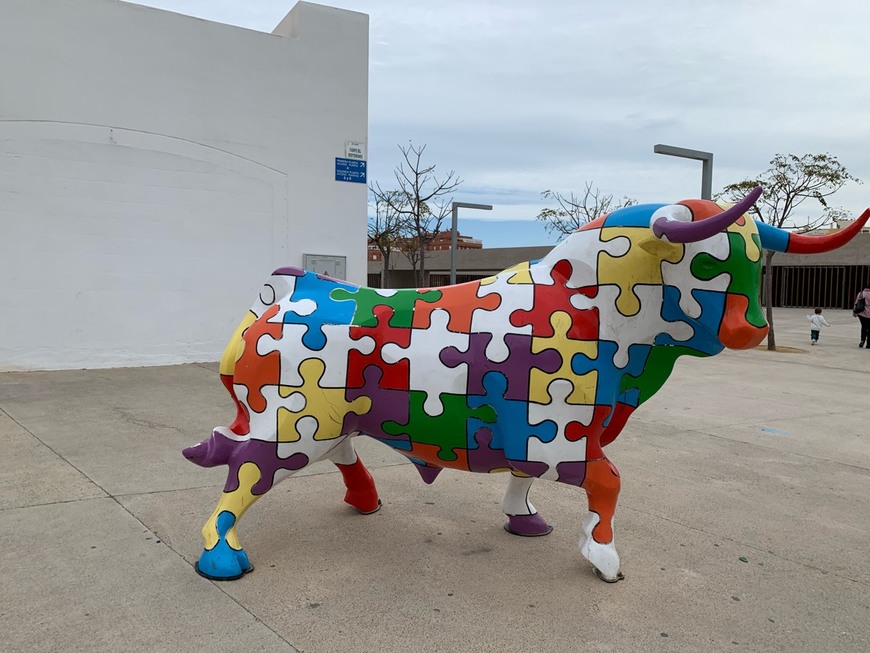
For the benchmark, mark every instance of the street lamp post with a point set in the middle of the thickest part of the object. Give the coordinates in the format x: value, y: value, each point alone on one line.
x: 707, y: 165
x: 454, y: 211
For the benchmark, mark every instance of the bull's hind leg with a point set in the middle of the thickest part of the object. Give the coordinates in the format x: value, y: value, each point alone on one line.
x: 523, y: 519
x: 361, y: 491
x: 601, y: 482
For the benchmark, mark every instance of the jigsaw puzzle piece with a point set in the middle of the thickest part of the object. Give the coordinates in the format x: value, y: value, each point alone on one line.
x: 609, y: 374
x: 555, y: 296
x: 513, y: 428
x: 563, y: 343
x: 361, y: 303
x: 484, y: 456
x: 312, y: 306
x: 388, y: 406
x: 447, y: 431
x: 705, y: 340
x: 427, y: 373
x: 461, y: 302
x: 497, y: 321
x: 635, y: 268
x: 626, y: 331
x: 396, y: 370
x: 315, y: 412
x: 254, y: 370
x: 517, y: 368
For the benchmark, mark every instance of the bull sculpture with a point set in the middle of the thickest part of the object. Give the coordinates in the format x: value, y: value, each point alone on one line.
x: 533, y: 371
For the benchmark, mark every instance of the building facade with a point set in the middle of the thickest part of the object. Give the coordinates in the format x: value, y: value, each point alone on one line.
x: 155, y: 168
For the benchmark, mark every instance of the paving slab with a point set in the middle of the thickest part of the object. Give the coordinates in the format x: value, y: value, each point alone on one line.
x: 87, y: 576
x: 435, y: 569
x: 32, y: 474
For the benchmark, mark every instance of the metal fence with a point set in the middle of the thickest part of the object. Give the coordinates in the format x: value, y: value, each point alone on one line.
x: 825, y: 286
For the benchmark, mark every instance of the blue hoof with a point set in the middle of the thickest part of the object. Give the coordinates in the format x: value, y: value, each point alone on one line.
x: 223, y: 562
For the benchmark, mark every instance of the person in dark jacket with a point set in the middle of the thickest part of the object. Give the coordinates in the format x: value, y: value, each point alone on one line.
x: 864, y: 316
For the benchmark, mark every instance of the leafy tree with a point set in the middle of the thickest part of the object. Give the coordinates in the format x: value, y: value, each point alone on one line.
x: 385, y: 229
x: 790, y: 181
x: 421, y: 201
x: 576, y: 210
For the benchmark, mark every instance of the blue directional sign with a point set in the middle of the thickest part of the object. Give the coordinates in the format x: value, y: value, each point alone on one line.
x: 350, y: 170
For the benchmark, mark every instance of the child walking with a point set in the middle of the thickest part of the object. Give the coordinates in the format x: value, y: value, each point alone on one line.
x: 817, y: 321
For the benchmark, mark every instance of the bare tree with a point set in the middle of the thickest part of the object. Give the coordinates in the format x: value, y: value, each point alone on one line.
x: 787, y: 184
x: 385, y: 227
x: 421, y: 201
x: 576, y: 210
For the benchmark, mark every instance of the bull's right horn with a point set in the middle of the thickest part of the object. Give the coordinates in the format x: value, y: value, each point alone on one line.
x: 781, y: 240
x: 692, y: 232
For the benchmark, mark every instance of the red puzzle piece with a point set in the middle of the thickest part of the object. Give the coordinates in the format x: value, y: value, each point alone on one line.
x: 396, y: 376
x: 557, y: 297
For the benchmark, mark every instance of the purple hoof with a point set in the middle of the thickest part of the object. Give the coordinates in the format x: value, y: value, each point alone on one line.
x: 527, y: 525
x: 212, y: 451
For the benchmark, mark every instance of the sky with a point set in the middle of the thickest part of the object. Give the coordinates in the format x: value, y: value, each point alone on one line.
x: 518, y: 97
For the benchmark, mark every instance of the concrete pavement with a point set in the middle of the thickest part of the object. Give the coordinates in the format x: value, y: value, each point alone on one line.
x: 748, y: 455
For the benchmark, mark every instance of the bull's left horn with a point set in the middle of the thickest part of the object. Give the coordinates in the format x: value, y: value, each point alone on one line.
x: 692, y: 232
x: 780, y: 240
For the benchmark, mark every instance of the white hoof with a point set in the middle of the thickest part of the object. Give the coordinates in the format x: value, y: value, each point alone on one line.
x: 603, y: 557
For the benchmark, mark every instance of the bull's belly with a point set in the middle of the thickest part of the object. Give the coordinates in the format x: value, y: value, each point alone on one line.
x: 434, y: 452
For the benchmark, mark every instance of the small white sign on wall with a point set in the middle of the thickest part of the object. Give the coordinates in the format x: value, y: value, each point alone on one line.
x: 355, y: 150
x: 330, y: 265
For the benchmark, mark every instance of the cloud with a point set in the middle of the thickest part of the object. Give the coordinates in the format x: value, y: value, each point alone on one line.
x: 518, y: 97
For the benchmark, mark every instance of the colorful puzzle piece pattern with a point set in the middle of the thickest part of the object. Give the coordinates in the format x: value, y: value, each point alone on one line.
x: 532, y: 370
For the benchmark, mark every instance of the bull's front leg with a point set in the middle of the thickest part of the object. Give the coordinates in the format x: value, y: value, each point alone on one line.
x: 602, y: 484
x: 254, y: 468
x: 223, y: 557
x: 523, y: 519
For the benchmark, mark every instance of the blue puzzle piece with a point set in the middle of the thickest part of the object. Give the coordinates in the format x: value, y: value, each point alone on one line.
x: 706, y: 337
x: 329, y: 311
x: 607, y: 391
x: 632, y: 216
x: 511, y: 431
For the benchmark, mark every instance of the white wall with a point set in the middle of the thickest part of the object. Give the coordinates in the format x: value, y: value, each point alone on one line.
x: 155, y: 168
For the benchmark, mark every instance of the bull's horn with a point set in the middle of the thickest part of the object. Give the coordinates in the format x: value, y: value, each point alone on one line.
x: 692, y: 232
x: 780, y: 240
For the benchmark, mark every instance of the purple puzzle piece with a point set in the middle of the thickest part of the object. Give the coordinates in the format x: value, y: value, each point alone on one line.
x: 387, y: 406
x: 516, y: 368
x: 485, y: 458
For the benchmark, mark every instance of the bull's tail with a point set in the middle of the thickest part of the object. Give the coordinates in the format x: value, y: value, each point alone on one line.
x: 218, y: 448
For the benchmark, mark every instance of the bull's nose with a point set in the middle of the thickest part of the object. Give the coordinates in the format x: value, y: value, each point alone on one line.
x: 736, y: 332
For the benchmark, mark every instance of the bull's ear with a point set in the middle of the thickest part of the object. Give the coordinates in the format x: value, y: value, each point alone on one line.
x: 659, y: 248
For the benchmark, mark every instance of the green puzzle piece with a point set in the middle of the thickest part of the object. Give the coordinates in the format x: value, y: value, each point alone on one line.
x: 744, y: 279
x: 658, y: 367
x: 402, y: 303
x: 447, y: 430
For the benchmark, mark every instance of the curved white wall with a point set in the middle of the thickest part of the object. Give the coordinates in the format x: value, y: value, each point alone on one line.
x: 154, y: 169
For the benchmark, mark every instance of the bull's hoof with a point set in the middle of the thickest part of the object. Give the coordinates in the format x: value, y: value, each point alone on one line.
x: 223, y: 563
x: 602, y: 555
x: 366, y: 502
x: 619, y: 576
x: 527, y: 525
x: 210, y: 577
